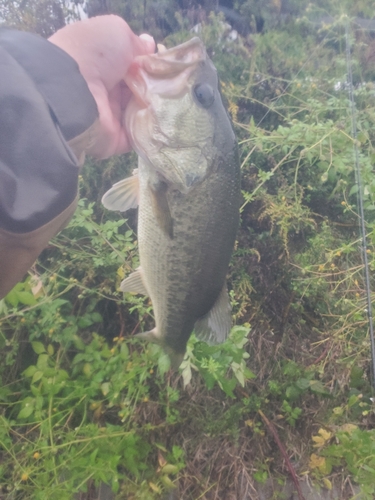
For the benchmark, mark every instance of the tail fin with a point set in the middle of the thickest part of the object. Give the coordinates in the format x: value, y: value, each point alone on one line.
x: 152, y: 336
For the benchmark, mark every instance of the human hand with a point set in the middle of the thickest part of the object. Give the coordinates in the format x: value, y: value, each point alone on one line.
x: 104, y: 47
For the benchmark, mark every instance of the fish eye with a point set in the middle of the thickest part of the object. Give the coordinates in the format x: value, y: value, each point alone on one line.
x: 205, y: 94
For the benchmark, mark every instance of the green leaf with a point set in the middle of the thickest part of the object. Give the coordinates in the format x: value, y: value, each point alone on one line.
x: 239, y: 373
x: 292, y: 392
x: 177, y: 452
x: 164, y: 364
x: 249, y: 374
x: 25, y: 412
x: 353, y: 400
x: 38, y: 347
x: 353, y: 190
x: 186, y: 372
x: 227, y: 386
x: 26, y: 298
x: 12, y: 298
x: 96, y: 317
x: 27, y: 409
x: 209, y: 379
x: 78, y: 343
x: 303, y: 383
x: 42, y: 362
x: 84, y: 322
x: 29, y: 372
x: 318, y: 387
x: 63, y: 374
x: 37, y: 376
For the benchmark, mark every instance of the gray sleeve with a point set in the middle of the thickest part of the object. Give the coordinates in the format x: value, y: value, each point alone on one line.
x: 44, y: 103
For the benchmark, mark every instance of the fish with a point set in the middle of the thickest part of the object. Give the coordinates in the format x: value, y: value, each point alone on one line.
x: 187, y: 188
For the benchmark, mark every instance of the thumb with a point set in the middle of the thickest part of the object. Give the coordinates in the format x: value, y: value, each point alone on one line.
x: 148, y: 44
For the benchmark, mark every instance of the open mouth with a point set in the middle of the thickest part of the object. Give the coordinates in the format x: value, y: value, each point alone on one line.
x: 166, y: 72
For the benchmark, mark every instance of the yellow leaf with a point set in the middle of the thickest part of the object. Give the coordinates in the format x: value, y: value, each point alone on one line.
x: 249, y: 423
x: 348, y: 428
x: 338, y: 410
x: 327, y: 483
x: 154, y: 487
x: 316, y: 462
x: 161, y: 447
x: 87, y: 369
x: 233, y: 110
x: 322, y: 438
x: 319, y: 441
x: 105, y: 387
x: 169, y: 469
x: 325, y: 434
x: 167, y: 482
x: 121, y: 273
x: 162, y: 461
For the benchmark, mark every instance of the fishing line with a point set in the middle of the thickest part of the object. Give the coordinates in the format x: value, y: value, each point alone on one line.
x: 362, y: 226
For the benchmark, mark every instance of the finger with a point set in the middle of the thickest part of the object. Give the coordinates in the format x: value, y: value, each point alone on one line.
x: 110, y: 137
x: 103, y: 47
x: 148, y: 42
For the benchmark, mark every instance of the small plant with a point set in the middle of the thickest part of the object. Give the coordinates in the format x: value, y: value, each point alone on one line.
x: 214, y: 362
x: 347, y: 446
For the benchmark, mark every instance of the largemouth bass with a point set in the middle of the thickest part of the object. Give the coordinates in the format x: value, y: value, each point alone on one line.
x: 188, y: 189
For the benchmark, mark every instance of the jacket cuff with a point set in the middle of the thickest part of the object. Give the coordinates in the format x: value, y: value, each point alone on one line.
x: 18, y: 252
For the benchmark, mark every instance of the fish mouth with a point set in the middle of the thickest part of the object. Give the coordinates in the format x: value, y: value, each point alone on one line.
x: 165, y: 73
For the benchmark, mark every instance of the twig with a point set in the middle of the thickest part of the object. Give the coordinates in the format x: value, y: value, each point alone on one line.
x: 292, y: 472
x: 319, y: 359
x: 135, y: 329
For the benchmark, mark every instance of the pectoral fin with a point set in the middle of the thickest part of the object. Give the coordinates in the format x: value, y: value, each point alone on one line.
x: 123, y: 195
x: 134, y: 283
x: 215, y: 326
x: 151, y: 336
x: 161, y: 207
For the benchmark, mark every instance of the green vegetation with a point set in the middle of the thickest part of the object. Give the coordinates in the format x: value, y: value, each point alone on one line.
x: 82, y: 402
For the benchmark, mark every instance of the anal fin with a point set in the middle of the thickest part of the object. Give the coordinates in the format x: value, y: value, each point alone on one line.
x: 123, y: 195
x: 134, y: 283
x: 214, y: 327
